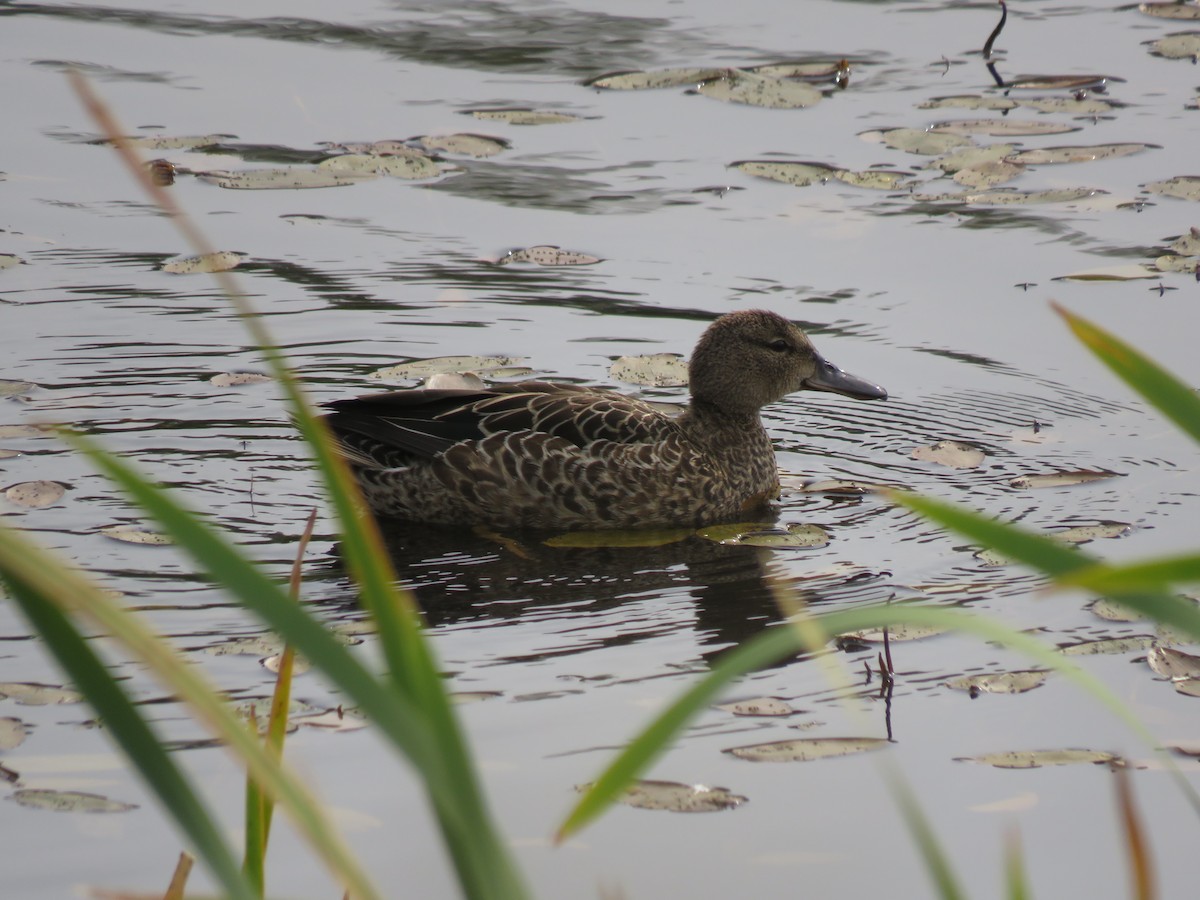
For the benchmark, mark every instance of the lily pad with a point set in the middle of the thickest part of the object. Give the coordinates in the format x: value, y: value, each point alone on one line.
x: 366, y: 165
x: 1086, y: 106
x: 423, y: 368
x: 840, y: 486
x: 1187, y: 244
x: 1035, y: 759
x: 913, y: 140
x: 969, y: 101
x: 1173, y: 263
x: 338, y: 719
x: 954, y: 454
x: 282, y: 179
x: 752, y: 89
x: 815, y: 70
x: 1060, y: 82
x: 69, y: 801
x: 675, y: 797
x: 968, y: 157
x: 1075, y: 154
x: 524, y: 116
x: 8, y: 260
x: 461, y: 698
x: 219, y: 261
x: 1180, y: 45
x: 800, y: 174
x: 651, y: 370
x: 1175, y: 10
x: 806, y: 749
x: 660, y: 78
x: 30, y: 693
x: 806, y: 537
x: 12, y: 733
x: 1060, y: 479
x: 988, y: 174
x: 1126, y: 272
x: 257, y: 645
x: 1189, y: 687
x: 1109, y: 646
x: 1112, y: 611
x: 300, y: 665
x: 237, y: 379
x: 25, y: 431
x: 759, y: 706
x: 1174, y: 665
x: 549, y: 255
x: 900, y: 632
x: 1184, y: 187
x: 877, y: 179
x: 479, y: 146
x: 1002, y: 127
x: 1008, y: 197
x: 131, y: 535
x: 177, y: 142
x: 999, y: 682
x: 1082, y: 534
x: 35, y: 494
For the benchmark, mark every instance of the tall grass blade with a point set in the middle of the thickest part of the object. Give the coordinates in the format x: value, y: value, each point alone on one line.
x: 1140, y: 866
x: 1170, y: 396
x: 936, y: 861
x: 38, y: 585
x: 1015, y: 876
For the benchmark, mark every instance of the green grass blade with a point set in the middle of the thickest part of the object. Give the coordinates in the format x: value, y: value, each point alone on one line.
x: 1170, y: 396
x: 936, y: 861
x: 1151, y: 575
x: 776, y: 644
x: 121, y: 718
x: 1015, y: 876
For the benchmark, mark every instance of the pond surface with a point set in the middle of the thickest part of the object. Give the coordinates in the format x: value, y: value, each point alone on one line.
x: 943, y: 301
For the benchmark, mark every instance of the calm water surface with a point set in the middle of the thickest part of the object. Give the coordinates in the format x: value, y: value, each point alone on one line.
x: 581, y: 645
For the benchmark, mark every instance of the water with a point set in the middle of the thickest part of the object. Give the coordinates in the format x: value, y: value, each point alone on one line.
x: 582, y: 645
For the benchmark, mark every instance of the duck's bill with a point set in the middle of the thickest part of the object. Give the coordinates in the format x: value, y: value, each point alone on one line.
x: 829, y: 377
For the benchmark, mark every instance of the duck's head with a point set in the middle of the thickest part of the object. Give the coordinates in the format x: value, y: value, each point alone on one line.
x: 747, y: 359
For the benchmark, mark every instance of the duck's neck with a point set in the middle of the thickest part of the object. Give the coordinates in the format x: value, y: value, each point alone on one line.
x: 703, y: 417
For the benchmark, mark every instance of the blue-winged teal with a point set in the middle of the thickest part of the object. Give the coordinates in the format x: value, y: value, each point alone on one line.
x: 543, y: 455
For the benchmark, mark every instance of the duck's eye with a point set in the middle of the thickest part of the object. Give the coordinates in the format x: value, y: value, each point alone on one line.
x: 779, y: 345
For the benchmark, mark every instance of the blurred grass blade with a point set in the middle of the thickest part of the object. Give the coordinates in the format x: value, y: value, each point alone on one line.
x: 1014, y: 867
x: 936, y: 862
x: 1140, y: 577
x: 1140, y: 867
x: 37, y: 584
x: 1170, y: 396
x: 776, y: 644
x: 1068, y: 566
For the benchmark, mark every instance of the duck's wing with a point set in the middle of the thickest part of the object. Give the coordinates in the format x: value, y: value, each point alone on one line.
x: 393, y: 428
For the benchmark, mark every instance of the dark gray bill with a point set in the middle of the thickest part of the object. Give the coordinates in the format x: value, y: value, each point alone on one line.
x: 829, y: 377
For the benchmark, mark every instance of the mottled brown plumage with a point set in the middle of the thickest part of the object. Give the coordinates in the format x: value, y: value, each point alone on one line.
x: 544, y: 455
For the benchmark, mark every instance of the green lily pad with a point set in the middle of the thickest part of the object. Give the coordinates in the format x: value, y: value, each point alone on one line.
x: 1087, y: 106
x: 988, y: 174
x: 294, y: 178
x: 218, y: 261
x: 1109, y: 646
x: 479, y: 146
x: 895, y: 633
x: 1184, y: 187
x: 177, y: 142
x: 651, y: 370
x: 1181, y: 45
x: 999, y: 682
x: 759, y: 706
x: 878, y: 179
x: 969, y: 101
x: 1055, y: 155
x: 661, y: 78
x: 1060, y: 82
x: 736, y: 86
x: 524, y: 116
x: 913, y: 140
x: 1172, y: 263
x: 1003, y: 127
x: 971, y: 156
x: 675, y: 797
x: 30, y: 693
x: 549, y: 255
x: 953, y: 454
x: 12, y: 733
x: 806, y: 749
x: 816, y: 70
x: 367, y: 165
x: 1060, y: 479
x: 1176, y: 10
x: 1035, y: 759
x: 35, y: 494
x: 800, y: 174
x: 8, y: 260
x: 423, y: 368
x: 1174, y: 665
x: 797, y: 536
x: 130, y: 534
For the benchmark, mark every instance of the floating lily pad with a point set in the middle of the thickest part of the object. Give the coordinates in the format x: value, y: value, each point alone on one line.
x: 300, y: 665
x: 1187, y: 244
x: 237, y: 379
x: 1075, y: 154
x: 8, y: 260
x: 899, y: 632
x: 549, y: 255
x: 806, y: 749
x: 1126, y: 272
x: 524, y: 116
x: 338, y: 719
x: 971, y: 156
x: 132, y: 535
x: 479, y: 146
x: 1035, y: 759
x: 1189, y: 687
x: 806, y: 537
x: 814, y: 70
x: 800, y: 174
x: 30, y: 693
x: 423, y: 368
x: 969, y: 101
x: 1059, y: 479
x: 660, y: 78
x: 8, y: 454
x: 642, y: 537
x: 257, y: 645
x: 1176, y: 10
x: 11, y: 388
x: 177, y: 142
x: 651, y: 369
x: 35, y: 494
x: 69, y: 801
x: 12, y: 733
x: 999, y: 682
x: 988, y: 174
x: 839, y: 486
x: 1082, y: 534
x: 878, y: 179
x: 1112, y: 611
x: 675, y: 797
x: 1174, y: 665
x: 1060, y: 82
x: 1184, y: 187
x: 759, y: 706
x: 1109, y: 646
x: 913, y: 140
x: 366, y: 165
x: 1086, y: 106
x: 25, y: 431
x: 462, y: 698
x: 752, y: 89
x: 219, y: 261
x: 1173, y: 263
x: 1002, y: 127
x: 1008, y: 197
x: 954, y: 454
x: 1181, y: 45
x: 282, y: 179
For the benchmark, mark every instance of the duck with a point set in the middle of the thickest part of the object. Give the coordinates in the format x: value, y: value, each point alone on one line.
x: 549, y: 455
